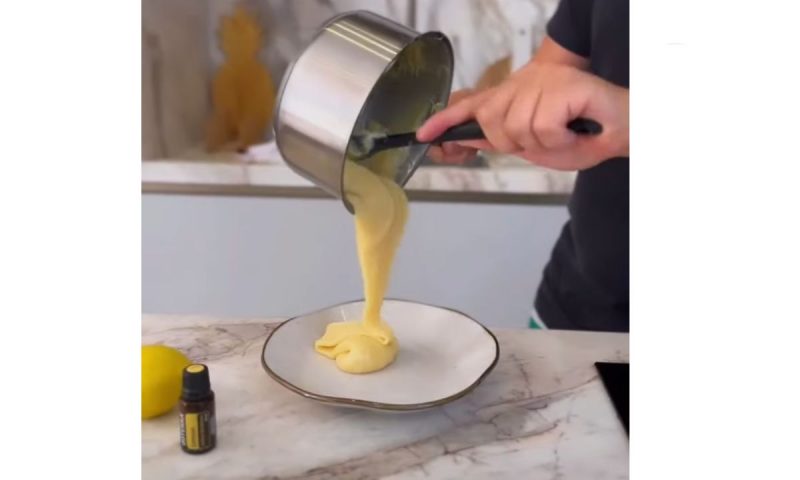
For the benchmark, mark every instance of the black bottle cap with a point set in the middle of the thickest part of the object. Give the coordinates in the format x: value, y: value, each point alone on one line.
x: 196, y: 382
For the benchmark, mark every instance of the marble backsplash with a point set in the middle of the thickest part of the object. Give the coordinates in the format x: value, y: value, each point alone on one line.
x: 175, y: 75
x: 180, y: 51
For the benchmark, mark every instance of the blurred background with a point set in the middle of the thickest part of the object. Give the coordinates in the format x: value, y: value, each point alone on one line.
x: 232, y: 231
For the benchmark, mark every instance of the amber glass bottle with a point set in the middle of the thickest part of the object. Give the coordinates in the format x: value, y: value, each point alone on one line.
x: 197, y: 420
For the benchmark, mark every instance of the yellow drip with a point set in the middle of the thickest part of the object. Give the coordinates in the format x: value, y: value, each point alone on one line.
x: 381, y: 211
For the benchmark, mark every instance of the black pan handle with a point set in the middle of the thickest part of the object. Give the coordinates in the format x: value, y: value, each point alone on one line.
x: 472, y: 130
x: 466, y: 131
x: 585, y: 126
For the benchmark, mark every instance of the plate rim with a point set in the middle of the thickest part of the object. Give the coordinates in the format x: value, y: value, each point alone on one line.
x: 354, y: 402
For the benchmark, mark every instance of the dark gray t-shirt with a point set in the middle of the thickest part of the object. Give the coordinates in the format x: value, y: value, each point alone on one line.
x: 586, y: 283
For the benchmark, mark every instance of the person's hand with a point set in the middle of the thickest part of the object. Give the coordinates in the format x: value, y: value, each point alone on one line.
x: 451, y: 152
x: 527, y: 116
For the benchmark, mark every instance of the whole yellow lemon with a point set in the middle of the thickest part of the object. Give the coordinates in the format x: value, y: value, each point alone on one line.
x: 162, y: 369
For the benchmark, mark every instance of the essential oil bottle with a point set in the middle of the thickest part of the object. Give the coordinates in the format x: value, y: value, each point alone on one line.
x: 197, y: 420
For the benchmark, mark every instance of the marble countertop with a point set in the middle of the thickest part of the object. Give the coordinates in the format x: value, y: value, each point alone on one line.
x: 263, y: 171
x: 542, y: 413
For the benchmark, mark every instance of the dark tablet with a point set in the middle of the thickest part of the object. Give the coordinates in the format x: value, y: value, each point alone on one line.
x: 616, y: 379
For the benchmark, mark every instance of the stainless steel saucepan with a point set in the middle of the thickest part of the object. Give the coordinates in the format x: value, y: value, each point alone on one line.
x: 360, y: 71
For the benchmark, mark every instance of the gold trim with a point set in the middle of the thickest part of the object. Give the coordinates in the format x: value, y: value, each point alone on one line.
x: 396, y: 407
x: 238, y: 190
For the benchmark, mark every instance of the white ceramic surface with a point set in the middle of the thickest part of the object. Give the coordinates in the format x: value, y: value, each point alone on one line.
x: 443, y: 355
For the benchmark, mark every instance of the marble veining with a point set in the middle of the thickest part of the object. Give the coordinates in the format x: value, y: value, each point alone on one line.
x: 180, y: 52
x: 180, y: 49
x: 542, y: 413
x: 485, y: 31
x: 175, y: 67
x: 263, y: 165
x: 527, y: 180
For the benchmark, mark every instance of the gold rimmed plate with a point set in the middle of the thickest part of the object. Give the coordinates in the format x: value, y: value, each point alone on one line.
x: 444, y: 355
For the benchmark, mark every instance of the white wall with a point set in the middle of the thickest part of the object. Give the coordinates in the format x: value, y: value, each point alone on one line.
x: 247, y: 256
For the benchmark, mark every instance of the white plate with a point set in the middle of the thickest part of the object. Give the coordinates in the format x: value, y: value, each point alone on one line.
x: 443, y: 355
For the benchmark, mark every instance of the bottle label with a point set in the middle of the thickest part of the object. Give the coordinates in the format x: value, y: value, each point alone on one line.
x: 197, y: 430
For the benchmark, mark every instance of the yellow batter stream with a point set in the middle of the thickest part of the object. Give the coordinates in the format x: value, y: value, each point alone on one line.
x: 381, y: 211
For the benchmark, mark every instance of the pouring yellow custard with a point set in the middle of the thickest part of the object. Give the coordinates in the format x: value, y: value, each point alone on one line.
x: 381, y: 211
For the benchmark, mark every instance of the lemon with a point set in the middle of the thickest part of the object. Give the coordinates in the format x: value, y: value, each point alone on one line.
x: 162, y: 369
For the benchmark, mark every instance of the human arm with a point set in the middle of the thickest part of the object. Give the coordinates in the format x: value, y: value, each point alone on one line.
x: 527, y: 114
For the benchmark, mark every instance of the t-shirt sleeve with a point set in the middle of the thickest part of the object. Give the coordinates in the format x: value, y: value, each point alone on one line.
x: 570, y: 26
